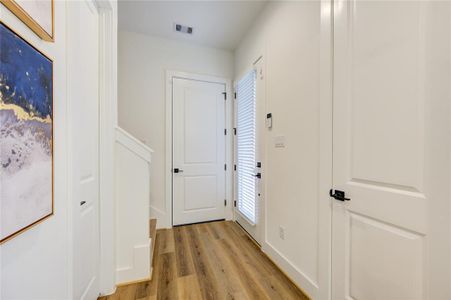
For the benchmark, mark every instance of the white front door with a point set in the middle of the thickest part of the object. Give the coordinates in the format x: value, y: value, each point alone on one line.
x: 83, y: 91
x: 391, y: 146
x: 198, y: 151
x: 249, y: 151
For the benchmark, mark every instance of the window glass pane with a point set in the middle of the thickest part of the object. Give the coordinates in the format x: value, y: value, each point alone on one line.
x: 246, y: 143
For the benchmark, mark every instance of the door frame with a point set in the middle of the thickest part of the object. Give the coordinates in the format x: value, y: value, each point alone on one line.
x: 170, y: 75
x: 108, y: 122
x: 325, y: 175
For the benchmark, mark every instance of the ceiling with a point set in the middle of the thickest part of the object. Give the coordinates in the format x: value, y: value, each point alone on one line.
x: 218, y: 24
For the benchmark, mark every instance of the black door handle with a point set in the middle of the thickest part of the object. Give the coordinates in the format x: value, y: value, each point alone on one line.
x: 82, y: 203
x: 177, y: 170
x: 258, y: 175
x: 338, y: 195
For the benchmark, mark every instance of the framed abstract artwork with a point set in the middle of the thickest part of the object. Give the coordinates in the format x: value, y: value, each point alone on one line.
x: 26, y: 135
x: 36, y: 14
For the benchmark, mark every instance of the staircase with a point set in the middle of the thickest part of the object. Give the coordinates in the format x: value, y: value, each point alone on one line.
x: 134, y: 230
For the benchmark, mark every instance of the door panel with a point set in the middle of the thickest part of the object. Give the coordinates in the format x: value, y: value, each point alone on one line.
x: 401, y: 253
x: 198, y: 197
x: 83, y: 45
x: 386, y: 94
x: 199, y: 151
x: 200, y: 132
x: 382, y: 236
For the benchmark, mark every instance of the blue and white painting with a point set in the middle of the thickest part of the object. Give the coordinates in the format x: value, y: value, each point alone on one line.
x: 26, y: 135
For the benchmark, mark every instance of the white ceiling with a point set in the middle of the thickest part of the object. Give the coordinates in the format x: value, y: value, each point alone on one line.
x: 219, y: 24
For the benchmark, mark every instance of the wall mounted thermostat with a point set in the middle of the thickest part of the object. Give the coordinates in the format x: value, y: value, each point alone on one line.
x: 269, y: 120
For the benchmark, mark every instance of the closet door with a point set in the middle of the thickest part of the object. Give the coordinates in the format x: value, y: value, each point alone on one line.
x: 198, y: 151
x: 83, y: 104
x: 391, y: 148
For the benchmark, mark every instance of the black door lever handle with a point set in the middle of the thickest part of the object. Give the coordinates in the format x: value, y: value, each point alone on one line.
x: 338, y: 195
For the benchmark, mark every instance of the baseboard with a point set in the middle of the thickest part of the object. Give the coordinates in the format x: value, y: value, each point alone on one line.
x: 110, y: 292
x: 133, y: 282
x: 161, y: 216
x: 302, y: 281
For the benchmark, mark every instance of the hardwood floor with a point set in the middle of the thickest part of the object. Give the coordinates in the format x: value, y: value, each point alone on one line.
x: 210, y: 261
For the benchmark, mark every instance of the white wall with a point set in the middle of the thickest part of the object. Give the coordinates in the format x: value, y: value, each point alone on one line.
x: 143, y: 62
x: 35, y: 264
x: 287, y: 34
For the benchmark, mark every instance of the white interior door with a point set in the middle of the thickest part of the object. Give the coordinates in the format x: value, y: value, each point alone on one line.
x: 391, y: 150
x: 83, y: 88
x: 249, y: 151
x: 198, y: 151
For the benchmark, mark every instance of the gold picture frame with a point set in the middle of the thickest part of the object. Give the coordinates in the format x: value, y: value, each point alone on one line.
x: 41, y: 219
x: 25, y: 17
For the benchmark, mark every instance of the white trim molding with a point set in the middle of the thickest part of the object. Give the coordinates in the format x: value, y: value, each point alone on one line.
x: 108, y: 119
x: 304, y: 282
x: 325, y: 156
x: 133, y: 144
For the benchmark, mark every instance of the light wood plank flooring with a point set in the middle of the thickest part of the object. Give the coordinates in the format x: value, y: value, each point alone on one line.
x: 210, y: 261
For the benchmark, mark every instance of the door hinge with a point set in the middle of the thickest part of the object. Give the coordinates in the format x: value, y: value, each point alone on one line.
x: 225, y: 131
x: 225, y: 95
x: 234, y: 203
x: 234, y: 95
x: 234, y: 131
x: 234, y: 167
x: 225, y: 167
x: 225, y: 202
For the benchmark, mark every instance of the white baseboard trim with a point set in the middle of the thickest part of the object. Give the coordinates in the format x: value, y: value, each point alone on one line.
x: 110, y: 292
x: 140, y: 267
x: 161, y: 216
x: 305, y: 283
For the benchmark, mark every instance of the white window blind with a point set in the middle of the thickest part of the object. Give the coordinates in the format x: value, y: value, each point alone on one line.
x: 246, y: 143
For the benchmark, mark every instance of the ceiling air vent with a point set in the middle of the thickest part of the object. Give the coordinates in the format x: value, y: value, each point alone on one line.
x: 183, y: 29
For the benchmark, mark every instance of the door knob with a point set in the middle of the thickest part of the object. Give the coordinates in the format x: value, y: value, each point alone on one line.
x: 177, y: 170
